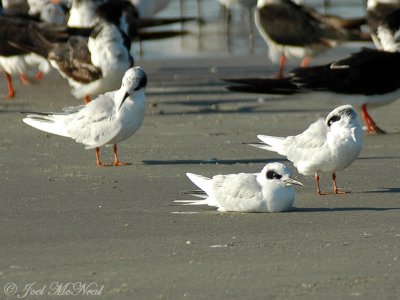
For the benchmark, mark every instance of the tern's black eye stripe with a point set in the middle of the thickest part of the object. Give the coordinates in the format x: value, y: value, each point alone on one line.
x: 273, y: 175
x: 333, y: 119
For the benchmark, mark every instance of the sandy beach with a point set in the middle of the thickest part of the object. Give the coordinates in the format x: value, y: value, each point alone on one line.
x: 64, y: 220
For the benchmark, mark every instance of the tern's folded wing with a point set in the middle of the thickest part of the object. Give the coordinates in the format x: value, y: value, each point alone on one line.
x: 236, y: 189
x: 95, y: 125
x: 309, y: 144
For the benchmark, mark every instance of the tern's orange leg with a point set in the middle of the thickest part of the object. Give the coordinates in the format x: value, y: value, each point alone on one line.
x: 335, y: 188
x: 87, y: 99
x: 305, y: 62
x: 39, y: 75
x: 98, y: 162
x: 11, y: 91
x: 116, y: 160
x: 24, y: 79
x: 317, y: 183
x: 371, y: 126
x: 282, y: 64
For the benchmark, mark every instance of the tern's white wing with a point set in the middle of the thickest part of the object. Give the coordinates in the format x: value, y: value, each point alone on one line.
x: 309, y: 147
x: 237, y: 192
x: 94, y: 125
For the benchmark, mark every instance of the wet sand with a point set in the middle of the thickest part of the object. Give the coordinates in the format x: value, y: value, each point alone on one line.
x: 65, y: 220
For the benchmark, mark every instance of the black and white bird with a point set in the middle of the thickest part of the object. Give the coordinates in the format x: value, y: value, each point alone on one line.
x: 271, y: 190
x: 294, y: 31
x: 363, y: 79
x: 328, y: 146
x: 91, y: 65
x: 377, y: 10
x: 83, y: 14
x: 48, y: 11
x: 17, y: 61
x: 109, y: 119
x: 388, y: 32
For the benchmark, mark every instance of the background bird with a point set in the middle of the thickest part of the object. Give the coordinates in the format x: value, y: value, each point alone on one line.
x: 388, y: 32
x: 377, y: 10
x: 362, y: 79
x: 95, y: 64
x: 294, y: 31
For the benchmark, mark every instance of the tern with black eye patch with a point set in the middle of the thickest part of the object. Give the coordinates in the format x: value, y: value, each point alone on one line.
x: 327, y: 146
x: 270, y: 190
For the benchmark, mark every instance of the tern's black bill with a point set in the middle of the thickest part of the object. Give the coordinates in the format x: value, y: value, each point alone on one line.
x: 126, y: 95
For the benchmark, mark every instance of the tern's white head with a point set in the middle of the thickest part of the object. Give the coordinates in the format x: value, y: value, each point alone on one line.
x: 276, y: 174
x: 276, y: 186
x: 342, y: 116
x: 134, y: 80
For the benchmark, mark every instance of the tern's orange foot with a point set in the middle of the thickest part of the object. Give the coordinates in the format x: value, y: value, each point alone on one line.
x: 24, y: 79
x: 119, y: 164
x: 375, y: 130
x: 340, y: 192
x: 10, y: 95
x: 322, y: 193
x: 101, y: 165
x: 39, y: 75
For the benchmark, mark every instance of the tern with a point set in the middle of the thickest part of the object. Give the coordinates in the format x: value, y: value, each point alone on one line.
x: 270, y: 190
x: 109, y: 119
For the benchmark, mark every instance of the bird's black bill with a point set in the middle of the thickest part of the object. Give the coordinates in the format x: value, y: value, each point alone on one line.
x: 126, y: 95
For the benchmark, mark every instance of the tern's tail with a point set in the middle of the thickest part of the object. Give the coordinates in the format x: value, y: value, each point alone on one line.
x: 270, y: 143
x: 202, y: 182
x: 52, y: 123
x: 192, y: 202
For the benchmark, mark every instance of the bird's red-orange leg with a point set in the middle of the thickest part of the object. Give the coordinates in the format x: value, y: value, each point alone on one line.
x: 116, y: 160
x: 317, y: 183
x: 371, y: 126
x: 11, y: 91
x: 305, y: 62
x: 335, y: 188
x: 98, y: 162
x: 39, y: 75
x: 87, y: 99
x: 24, y: 79
x: 282, y: 64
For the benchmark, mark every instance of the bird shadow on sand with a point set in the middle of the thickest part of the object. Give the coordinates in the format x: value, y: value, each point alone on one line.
x: 213, y: 211
x: 11, y: 107
x: 219, y: 109
x: 378, y: 157
x: 211, y: 161
x: 384, y: 190
x: 341, y: 209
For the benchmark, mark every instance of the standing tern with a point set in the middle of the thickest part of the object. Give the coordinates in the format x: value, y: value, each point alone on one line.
x: 327, y: 146
x: 109, y: 119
